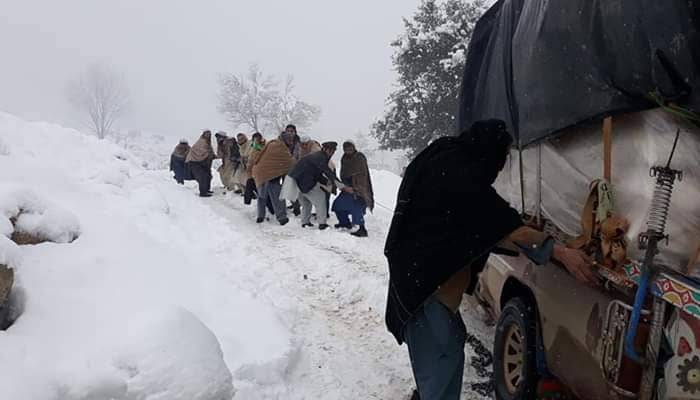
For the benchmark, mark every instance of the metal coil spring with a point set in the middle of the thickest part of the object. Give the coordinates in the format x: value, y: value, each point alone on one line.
x: 661, y: 201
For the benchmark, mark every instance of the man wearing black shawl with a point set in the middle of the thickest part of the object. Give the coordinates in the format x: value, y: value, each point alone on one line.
x: 448, y: 219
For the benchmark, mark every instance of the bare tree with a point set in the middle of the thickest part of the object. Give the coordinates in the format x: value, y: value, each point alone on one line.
x: 247, y: 100
x: 255, y: 101
x: 290, y: 109
x: 102, y: 94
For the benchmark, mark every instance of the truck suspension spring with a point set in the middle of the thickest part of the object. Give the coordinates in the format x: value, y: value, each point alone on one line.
x: 661, y: 201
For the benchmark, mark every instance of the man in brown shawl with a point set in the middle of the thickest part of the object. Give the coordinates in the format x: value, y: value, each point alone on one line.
x: 257, y: 143
x: 308, y: 146
x: 271, y: 165
x: 354, y: 173
x: 199, y: 161
x: 290, y: 137
x: 177, y: 161
x: 241, y: 176
x: 230, y: 161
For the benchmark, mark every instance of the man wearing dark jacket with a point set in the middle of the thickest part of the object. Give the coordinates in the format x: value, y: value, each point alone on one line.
x: 309, y: 174
x: 448, y: 219
x: 177, y: 161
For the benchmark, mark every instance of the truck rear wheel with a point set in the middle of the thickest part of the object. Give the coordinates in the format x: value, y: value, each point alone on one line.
x: 514, y: 367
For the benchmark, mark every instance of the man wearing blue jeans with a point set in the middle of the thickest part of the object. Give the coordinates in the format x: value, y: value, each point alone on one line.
x: 436, y: 338
x: 359, y: 195
x: 448, y: 219
x: 356, y: 210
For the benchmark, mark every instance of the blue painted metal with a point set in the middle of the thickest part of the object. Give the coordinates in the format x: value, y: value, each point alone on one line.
x: 636, y: 315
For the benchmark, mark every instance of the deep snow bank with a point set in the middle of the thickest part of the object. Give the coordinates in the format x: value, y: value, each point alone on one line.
x: 145, y: 303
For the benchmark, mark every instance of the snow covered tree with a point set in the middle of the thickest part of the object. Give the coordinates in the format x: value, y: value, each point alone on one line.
x: 248, y: 100
x: 256, y: 101
x: 288, y: 108
x: 102, y: 95
x: 429, y: 58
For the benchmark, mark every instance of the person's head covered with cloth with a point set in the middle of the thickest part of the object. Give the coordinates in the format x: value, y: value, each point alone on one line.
x: 448, y: 217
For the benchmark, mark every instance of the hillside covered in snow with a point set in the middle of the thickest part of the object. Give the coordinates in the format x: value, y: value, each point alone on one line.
x: 142, y: 290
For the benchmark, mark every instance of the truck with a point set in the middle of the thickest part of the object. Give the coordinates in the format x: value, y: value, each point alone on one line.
x: 603, y: 99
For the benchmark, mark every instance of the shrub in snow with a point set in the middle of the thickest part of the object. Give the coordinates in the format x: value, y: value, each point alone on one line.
x: 34, y: 221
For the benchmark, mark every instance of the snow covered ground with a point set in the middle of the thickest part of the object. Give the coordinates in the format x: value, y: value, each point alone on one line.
x: 164, y: 295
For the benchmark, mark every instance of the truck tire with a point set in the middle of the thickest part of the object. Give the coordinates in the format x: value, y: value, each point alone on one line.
x: 514, y: 353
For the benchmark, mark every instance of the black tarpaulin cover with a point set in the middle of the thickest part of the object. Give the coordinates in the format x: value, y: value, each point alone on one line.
x: 545, y: 65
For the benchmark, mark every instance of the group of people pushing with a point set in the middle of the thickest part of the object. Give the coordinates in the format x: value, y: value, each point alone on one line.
x: 290, y: 168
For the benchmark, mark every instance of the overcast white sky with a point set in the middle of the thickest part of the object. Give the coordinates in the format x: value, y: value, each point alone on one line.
x: 173, y: 50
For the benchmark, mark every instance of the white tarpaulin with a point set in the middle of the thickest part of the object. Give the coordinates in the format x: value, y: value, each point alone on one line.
x: 641, y: 140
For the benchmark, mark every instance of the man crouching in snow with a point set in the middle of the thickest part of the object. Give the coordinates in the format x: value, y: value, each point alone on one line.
x: 448, y: 219
x: 354, y: 173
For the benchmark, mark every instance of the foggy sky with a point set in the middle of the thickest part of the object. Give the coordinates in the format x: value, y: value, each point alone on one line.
x: 172, y: 52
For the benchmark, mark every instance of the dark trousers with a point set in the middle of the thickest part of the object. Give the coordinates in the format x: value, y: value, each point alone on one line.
x: 296, y: 207
x: 358, y: 217
x: 270, y: 193
x: 347, y: 205
x: 435, y: 337
x: 202, y: 174
x: 251, y: 192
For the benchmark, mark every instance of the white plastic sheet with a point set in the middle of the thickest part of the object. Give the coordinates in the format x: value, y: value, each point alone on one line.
x: 641, y: 140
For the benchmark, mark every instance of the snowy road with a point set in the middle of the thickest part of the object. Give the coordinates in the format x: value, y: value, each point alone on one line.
x: 331, y: 287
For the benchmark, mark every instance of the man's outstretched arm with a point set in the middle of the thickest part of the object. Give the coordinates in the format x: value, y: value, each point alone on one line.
x: 541, y: 248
